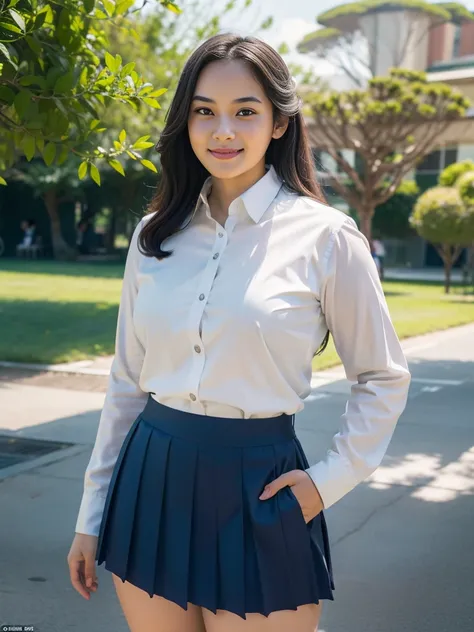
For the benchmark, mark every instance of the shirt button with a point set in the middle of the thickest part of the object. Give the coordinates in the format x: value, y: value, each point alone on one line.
x: 216, y: 255
x: 197, y: 348
x: 192, y: 396
x: 221, y: 234
x: 201, y: 297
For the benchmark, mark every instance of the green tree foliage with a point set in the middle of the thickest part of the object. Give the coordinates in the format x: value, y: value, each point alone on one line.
x: 450, y: 175
x: 391, y: 219
x: 57, y: 77
x: 390, y: 126
x: 465, y: 186
x: 156, y: 44
x: 444, y: 216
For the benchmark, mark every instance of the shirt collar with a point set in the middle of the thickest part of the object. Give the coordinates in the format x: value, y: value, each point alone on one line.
x: 255, y: 200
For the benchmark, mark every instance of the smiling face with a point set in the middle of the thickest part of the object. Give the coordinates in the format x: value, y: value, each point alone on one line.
x: 230, y: 122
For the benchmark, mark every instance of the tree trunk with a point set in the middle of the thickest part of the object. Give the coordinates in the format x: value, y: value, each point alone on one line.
x: 111, y: 230
x: 61, y: 250
x: 365, y: 216
x: 470, y: 264
x: 447, y: 277
x: 447, y: 257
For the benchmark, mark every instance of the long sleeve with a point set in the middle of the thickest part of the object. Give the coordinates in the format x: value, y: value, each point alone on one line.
x: 124, y: 400
x: 357, y: 316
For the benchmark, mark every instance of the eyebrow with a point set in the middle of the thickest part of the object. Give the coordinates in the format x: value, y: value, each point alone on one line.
x: 198, y: 97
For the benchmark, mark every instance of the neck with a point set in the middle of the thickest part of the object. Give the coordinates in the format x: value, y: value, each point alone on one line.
x: 225, y: 191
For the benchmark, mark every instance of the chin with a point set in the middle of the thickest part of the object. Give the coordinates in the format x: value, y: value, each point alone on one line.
x: 226, y: 170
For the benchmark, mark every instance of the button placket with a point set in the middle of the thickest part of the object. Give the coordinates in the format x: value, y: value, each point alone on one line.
x: 197, y: 312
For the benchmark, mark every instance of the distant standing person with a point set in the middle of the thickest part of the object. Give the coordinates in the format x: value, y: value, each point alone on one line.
x: 83, y: 228
x: 28, y: 226
x: 379, y: 250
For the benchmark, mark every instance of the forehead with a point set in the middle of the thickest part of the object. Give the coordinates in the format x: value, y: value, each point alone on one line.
x: 228, y: 80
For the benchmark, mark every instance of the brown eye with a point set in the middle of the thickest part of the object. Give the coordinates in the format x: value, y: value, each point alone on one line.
x: 206, y: 112
x: 246, y: 110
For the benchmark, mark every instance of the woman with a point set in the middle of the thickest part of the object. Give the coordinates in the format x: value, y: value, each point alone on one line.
x: 198, y: 495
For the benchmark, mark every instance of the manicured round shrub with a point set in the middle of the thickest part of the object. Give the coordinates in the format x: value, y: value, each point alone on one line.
x: 440, y: 216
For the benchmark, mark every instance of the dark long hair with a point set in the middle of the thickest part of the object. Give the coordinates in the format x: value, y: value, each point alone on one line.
x: 183, y: 175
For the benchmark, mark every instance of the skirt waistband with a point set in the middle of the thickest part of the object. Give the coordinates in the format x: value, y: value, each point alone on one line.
x: 206, y: 429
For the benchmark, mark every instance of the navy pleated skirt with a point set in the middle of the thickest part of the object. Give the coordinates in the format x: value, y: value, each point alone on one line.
x: 183, y: 518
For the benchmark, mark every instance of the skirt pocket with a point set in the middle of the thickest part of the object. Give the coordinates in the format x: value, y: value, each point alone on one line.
x: 295, y: 502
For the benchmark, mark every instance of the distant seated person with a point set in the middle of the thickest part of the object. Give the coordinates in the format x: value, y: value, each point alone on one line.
x: 28, y: 226
x: 83, y: 236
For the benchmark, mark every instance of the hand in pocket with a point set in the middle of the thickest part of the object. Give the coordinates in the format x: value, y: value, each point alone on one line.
x: 303, y: 488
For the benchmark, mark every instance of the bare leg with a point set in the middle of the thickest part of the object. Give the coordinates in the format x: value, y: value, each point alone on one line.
x: 304, y: 619
x: 155, y: 614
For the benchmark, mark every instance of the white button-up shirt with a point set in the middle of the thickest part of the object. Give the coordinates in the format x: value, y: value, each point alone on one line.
x: 228, y: 326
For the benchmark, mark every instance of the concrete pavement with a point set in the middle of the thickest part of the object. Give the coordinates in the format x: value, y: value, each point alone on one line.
x: 422, y: 274
x: 401, y: 541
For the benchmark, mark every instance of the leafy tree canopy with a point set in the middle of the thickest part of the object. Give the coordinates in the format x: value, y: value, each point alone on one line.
x: 439, y: 216
x: 390, y: 125
x: 444, y: 215
x: 57, y: 76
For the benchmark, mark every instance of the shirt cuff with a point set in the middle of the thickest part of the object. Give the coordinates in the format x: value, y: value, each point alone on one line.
x: 90, y: 513
x: 333, y: 478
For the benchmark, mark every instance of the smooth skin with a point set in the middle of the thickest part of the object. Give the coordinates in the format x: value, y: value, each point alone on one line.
x: 216, y: 120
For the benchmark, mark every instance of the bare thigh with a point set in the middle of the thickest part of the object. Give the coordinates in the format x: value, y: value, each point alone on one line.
x: 304, y: 619
x: 155, y: 614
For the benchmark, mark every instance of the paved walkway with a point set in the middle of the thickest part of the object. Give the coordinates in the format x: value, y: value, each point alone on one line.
x: 421, y: 274
x: 401, y: 541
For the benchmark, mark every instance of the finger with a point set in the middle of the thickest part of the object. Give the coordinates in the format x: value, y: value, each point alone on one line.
x: 90, y: 575
x: 76, y: 575
x: 272, y: 488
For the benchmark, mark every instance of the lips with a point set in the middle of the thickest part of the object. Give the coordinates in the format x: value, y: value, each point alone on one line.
x: 225, y: 154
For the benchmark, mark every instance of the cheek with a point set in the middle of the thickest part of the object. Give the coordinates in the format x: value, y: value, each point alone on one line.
x: 258, y: 131
x: 197, y: 131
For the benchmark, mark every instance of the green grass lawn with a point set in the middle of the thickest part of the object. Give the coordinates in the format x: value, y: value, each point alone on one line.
x: 62, y: 312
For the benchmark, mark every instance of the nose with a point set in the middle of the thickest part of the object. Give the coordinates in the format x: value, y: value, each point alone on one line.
x: 223, y: 130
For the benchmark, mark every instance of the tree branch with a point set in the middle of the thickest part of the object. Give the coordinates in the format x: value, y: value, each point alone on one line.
x: 349, y: 196
x: 334, y: 153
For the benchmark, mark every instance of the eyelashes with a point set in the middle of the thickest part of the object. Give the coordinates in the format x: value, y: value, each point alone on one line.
x: 199, y: 111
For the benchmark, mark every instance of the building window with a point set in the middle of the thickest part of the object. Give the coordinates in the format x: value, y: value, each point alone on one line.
x: 431, y: 162
x: 450, y: 156
x: 465, y: 152
x: 456, y: 41
x: 438, y: 160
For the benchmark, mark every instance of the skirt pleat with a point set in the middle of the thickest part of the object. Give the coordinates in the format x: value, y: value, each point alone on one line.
x: 203, y: 561
x: 230, y: 544
x: 176, y: 524
x: 148, y: 515
x: 124, y: 508
x: 301, y: 579
x: 272, y: 580
x: 101, y: 550
x: 183, y: 518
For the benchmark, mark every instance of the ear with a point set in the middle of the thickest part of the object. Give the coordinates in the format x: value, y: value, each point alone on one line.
x: 280, y: 127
